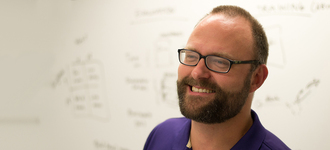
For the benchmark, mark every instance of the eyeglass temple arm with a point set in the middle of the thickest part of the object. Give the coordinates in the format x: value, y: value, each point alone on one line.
x: 245, y: 62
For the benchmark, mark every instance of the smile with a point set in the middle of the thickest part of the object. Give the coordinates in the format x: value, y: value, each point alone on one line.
x: 201, y: 90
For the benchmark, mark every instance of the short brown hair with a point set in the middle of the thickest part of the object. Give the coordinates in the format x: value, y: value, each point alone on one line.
x: 258, y: 33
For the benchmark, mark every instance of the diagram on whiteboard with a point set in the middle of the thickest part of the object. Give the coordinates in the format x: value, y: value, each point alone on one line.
x: 85, y: 80
x: 166, y: 89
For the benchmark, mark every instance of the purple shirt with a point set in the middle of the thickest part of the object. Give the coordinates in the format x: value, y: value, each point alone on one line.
x: 173, y: 134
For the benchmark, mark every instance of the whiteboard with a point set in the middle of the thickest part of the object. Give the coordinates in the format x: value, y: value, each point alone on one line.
x: 101, y: 74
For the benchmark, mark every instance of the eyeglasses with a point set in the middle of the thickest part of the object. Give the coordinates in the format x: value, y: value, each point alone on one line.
x: 212, y: 62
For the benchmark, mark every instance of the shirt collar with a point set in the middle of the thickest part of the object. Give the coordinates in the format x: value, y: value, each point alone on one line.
x: 254, y: 137
x: 182, y: 136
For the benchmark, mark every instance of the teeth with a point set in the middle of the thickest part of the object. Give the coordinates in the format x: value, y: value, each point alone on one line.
x: 194, y: 89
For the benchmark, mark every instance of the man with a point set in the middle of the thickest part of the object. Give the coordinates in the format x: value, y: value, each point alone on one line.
x: 222, y: 65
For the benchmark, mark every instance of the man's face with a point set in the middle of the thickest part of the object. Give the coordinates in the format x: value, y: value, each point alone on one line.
x: 211, y: 97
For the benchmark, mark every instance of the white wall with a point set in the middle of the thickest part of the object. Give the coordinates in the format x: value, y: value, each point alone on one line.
x: 100, y: 74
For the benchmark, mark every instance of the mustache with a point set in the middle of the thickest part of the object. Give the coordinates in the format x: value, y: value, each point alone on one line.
x: 202, y: 83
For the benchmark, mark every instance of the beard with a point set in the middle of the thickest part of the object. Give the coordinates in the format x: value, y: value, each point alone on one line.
x: 223, y: 107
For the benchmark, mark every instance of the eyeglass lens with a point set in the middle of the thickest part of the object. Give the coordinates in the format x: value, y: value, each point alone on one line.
x: 214, y: 63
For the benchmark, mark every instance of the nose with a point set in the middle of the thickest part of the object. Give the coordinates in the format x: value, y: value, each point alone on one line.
x: 200, y: 71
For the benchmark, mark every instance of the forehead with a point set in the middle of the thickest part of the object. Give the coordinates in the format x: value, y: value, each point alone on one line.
x: 222, y: 35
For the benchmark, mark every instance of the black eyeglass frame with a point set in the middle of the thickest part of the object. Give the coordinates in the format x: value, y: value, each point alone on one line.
x: 231, y: 61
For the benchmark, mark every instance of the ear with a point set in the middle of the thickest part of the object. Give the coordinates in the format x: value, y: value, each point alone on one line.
x: 258, y: 77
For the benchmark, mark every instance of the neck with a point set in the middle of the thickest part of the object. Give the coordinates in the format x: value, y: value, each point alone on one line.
x: 221, y: 136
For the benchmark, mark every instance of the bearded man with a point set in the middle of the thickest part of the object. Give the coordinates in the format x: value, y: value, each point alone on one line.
x: 222, y: 65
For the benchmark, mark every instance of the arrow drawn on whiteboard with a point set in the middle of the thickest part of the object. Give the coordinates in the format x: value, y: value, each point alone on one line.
x: 296, y: 105
x: 302, y: 95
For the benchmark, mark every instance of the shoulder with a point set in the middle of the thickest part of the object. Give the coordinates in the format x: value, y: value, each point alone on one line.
x: 165, y: 134
x: 272, y: 142
x: 259, y: 138
x: 170, y: 127
x: 173, y: 124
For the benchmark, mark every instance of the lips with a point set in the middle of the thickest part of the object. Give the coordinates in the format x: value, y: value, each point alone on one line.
x: 201, y: 90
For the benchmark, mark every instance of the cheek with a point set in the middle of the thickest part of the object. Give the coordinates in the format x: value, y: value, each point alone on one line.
x: 234, y: 80
x: 183, y: 71
x: 230, y: 83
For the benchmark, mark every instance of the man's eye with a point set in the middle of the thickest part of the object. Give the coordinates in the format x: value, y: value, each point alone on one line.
x: 219, y: 63
x: 191, y: 58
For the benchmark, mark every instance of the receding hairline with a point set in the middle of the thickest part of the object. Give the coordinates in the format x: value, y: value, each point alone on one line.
x: 258, y: 33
